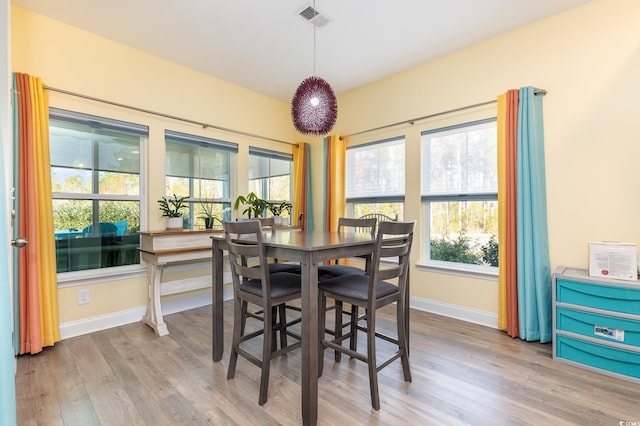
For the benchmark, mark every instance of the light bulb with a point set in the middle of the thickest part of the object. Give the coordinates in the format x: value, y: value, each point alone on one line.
x: 315, y: 101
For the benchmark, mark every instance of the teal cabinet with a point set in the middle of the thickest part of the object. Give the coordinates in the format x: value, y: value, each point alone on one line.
x: 596, y: 323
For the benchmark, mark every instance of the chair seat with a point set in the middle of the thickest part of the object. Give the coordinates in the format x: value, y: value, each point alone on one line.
x: 284, y: 267
x: 282, y: 284
x: 356, y: 287
x: 326, y: 272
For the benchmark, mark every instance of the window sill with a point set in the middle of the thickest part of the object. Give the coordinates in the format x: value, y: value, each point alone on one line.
x: 471, y: 271
x: 94, y: 276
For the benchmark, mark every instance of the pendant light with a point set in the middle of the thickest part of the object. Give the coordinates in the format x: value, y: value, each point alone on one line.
x: 314, y: 107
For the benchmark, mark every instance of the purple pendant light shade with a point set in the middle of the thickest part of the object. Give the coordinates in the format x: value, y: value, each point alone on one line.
x: 314, y: 107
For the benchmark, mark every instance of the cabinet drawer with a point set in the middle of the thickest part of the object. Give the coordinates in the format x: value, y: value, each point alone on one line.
x: 619, y: 299
x: 599, y: 356
x: 609, y: 328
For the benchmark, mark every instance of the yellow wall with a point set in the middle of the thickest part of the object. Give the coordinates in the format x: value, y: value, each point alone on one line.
x: 74, y: 60
x: 587, y: 58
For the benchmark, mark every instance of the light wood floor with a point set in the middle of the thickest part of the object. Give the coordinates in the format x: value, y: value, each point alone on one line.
x: 462, y: 374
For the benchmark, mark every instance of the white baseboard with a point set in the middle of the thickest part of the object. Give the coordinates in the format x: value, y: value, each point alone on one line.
x: 102, y: 322
x: 115, y: 319
x: 475, y: 316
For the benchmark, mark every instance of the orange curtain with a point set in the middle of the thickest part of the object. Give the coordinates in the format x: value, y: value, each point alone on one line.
x: 302, y: 213
x: 507, y: 204
x: 37, y: 291
x: 335, y: 152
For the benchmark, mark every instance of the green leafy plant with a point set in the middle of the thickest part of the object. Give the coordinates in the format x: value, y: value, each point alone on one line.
x: 207, y: 214
x: 453, y: 250
x: 278, y: 208
x: 207, y: 210
x: 254, y: 205
x: 171, y: 207
x: 490, y: 252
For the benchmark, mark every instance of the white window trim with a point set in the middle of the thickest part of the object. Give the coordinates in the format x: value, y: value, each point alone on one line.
x: 91, y: 276
x: 459, y: 269
x: 452, y: 268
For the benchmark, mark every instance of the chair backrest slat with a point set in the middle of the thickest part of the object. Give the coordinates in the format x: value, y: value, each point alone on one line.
x: 379, y: 217
x: 268, y: 223
x: 357, y: 225
x: 244, y: 244
x: 394, y: 240
x: 349, y: 224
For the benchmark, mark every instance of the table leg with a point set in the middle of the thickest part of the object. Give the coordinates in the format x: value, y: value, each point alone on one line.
x: 217, y: 302
x: 309, y: 342
x: 153, y: 316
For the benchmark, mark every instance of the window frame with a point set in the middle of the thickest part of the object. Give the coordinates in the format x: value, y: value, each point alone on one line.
x: 426, y: 198
x: 193, y: 141
x: 87, y: 276
x: 272, y: 155
x: 395, y: 197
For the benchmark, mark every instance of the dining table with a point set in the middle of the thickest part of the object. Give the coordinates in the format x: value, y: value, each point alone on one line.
x: 309, y: 248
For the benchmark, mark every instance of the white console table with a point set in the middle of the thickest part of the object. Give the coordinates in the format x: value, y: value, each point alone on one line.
x: 161, y: 248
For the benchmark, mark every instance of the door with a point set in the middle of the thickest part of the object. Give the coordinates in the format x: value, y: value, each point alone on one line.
x: 7, y: 359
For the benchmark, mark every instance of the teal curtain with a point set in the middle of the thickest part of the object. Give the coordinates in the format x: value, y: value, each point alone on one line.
x: 534, y: 271
x: 7, y: 355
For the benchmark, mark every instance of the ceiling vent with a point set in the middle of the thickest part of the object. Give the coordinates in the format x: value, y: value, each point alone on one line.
x: 308, y: 13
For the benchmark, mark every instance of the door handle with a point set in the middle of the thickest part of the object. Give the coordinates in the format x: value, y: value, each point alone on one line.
x: 19, y: 242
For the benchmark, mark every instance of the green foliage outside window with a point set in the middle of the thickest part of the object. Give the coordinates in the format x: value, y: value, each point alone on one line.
x: 461, y: 251
x: 77, y: 214
x: 490, y: 252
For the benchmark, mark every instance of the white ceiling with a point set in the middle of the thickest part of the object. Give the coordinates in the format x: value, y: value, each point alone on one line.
x: 266, y: 47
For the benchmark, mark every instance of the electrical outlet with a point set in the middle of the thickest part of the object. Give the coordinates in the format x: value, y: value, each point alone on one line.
x: 83, y: 297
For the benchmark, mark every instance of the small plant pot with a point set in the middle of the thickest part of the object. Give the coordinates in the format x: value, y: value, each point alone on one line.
x: 208, y: 222
x: 173, y: 223
x: 277, y: 220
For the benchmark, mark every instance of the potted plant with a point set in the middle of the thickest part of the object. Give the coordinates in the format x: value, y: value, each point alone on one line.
x: 207, y: 214
x: 170, y: 208
x: 278, y: 208
x: 255, y: 206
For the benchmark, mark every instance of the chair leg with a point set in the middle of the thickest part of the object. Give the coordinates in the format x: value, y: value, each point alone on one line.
x: 402, y: 342
x: 239, y: 312
x: 274, y: 327
x: 267, y: 345
x: 244, y: 317
x: 338, y: 328
x: 322, y: 313
x: 353, y: 340
x: 282, y: 313
x: 371, y: 359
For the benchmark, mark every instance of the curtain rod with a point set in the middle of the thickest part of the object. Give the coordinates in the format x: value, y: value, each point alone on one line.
x: 172, y: 117
x: 413, y: 120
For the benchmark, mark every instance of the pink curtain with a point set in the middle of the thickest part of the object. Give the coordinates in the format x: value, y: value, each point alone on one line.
x: 37, y: 291
x: 302, y: 213
x: 507, y: 202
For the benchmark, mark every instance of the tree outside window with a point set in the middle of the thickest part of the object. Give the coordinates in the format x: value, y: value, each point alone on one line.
x: 460, y: 194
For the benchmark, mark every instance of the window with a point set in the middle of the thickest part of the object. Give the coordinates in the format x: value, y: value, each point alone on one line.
x: 200, y: 168
x: 375, y: 178
x: 270, y: 175
x: 460, y: 196
x: 96, y: 184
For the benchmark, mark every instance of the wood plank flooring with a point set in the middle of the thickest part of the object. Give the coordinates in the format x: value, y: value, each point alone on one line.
x: 462, y: 374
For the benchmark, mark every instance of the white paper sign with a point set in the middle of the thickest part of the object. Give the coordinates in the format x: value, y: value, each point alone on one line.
x: 613, y: 260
